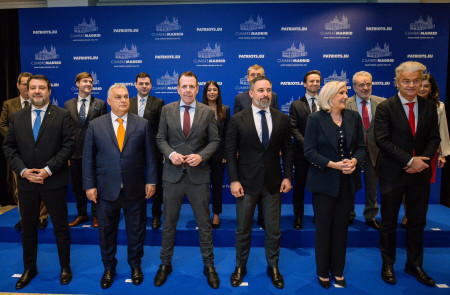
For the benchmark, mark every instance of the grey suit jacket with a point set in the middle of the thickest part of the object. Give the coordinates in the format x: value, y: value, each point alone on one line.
x: 203, y: 139
x: 370, y: 133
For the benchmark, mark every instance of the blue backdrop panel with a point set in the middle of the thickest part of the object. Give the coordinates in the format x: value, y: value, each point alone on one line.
x: 114, y: 44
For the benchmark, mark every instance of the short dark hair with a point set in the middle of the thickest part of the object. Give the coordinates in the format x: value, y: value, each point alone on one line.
x: 23, y: 75
x: 256, y: 79
x: 435, y: 91
x: 39, y: 77
x: 143, y: 75
x: 220, y: 109
x: 188, y: 74
x: 316, y: 72
x: 83, y: 75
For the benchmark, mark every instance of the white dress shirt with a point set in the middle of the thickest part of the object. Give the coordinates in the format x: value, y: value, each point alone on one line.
x: 257, y: 119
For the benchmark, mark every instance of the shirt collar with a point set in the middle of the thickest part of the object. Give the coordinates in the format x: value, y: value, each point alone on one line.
x: 192, y: 105
x: 360, y: 100
x: 43, y: 109
x: 308, y: 97
x: 404, y: 100
x: 88, y: 98
x: 256, y: 110
x: 23, y: 99
x: 114, y: 117
x: 139, y: 98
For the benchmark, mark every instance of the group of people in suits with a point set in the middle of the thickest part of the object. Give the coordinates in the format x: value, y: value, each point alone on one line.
x: 116, y: 158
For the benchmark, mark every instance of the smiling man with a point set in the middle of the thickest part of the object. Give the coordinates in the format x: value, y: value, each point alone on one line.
x: 407, y: 133
x: 38, y: 146
x: 82, y: 109
x: 187, y: 138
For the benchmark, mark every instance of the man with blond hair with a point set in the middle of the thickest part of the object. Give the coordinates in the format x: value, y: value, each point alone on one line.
x: 407, y: 133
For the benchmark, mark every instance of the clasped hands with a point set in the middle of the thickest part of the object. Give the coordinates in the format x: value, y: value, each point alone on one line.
x: 347, y: 166
x: 238, y: 191
x: 192, y: 159
x: 35, y: 175
x: 417, y: 165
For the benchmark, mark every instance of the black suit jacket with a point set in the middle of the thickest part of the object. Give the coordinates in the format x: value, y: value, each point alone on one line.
x: 243, y: 101
x: 95, y: 109
x: 53, y: 147
x: 298, y: 114
x: 256, y: 166
x: 152, y: 111
x: 396, y: 141
x: 321, y: 147
x: 222, y: 127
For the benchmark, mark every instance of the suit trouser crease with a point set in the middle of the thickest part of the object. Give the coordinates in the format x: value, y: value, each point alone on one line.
x: 198, y: 196
x: 56, y: 204
x: 245, y: 209
x: 417, y: 194
x: 331, y: 223
x: 77, y: 189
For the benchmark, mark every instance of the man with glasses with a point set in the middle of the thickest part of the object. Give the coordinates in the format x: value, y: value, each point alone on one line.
x: 366, y: 104
x: 407, y: 133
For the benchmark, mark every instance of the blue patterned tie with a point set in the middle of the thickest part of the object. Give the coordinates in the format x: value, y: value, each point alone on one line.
x: 141, y: 107
x: 83, y: 110
x: 265, y: 129
x: 37, y: 124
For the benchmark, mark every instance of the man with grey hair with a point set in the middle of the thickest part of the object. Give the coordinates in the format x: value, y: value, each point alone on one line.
x: 407, y: 133
x: 259, y: 133
x: 366, y: 104
x: 119, y: 172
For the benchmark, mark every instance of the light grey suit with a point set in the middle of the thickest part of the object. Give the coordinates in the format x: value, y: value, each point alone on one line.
x: 178, y: 180
x: 370, y: 160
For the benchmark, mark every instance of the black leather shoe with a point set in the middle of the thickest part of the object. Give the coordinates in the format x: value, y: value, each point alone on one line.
x: 211, y: 276
x: 107, y: 278
x: 161, y: 274
x: 156, y: 223
x: 276, y: 277
x: 18, y: 225
x: 420, y: 274
x: 66, y: 275
x: 237, y: 277
x: 298, y: 223
x: 261, y: 223
x: 42, y: 223
x: 136, y: 275
x: 26, y: 278
x: 341, y: 283
x: 387, y: 273
x: 325, y: 284
x: 373, y: 223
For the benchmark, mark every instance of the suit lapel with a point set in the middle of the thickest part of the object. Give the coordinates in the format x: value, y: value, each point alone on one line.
x: 134, y: 105
x: 46, y: 121
x: 28, y: 122
x: 305, y: 104
x: 148, y: 106
x: 349, y: 127
x: 16, y: 105
x: 352, y: 104
x: 131, y: 123
x: 249, y: 122
x: 110, y: 129
x: 403, y: 119
x: 197, y: 115
x: 90, y: 110
x: 275, y: 125
x: 329, y: 129
x: 176, y: 117
x: 421, y: 110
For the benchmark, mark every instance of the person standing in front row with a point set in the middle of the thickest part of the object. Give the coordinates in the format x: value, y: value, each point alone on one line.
x: 187, y: 138
x: 366, y: 104
x: 82, y: 109
x: 119, y: 172
x: 38, y: 146
x: 259, y: 133
x: 149, y: 107
x: 213, y: 98
x: 334, y: 145
x: 407, y: 133
x: 298, y: 114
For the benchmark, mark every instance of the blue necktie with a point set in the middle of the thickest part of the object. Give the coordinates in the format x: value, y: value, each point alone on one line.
x: 141, y: 107
x: 265, y: 129
x: 37, y: 124
x: 83, y: 110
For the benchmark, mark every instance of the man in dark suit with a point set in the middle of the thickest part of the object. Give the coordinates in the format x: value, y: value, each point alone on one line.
x: 366, y: 104
x: 149, y: 107
x: 407, y: 133
x: 259, y: 133
x: 119, y: 173
x: 38, y: 145
x: 298, y: 113
x: 82, y: 109
x: 10, y: 107
x: 187, y: 138
x: 243, y: 101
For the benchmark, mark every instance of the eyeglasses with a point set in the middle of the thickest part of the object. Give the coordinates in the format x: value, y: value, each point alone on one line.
x: 408, y: 82
x: 368, y: 85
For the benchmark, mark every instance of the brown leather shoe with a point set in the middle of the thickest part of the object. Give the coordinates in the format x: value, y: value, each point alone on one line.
x: 78, y: 220
x: 94, y: 222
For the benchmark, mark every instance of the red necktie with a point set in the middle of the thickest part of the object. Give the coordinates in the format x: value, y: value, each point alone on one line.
x: 186, y: 121
x: 365, y: 115
x: 412, y: 118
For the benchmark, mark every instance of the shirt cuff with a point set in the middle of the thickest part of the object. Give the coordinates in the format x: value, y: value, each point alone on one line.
x: 409, y: 162
x: 21, y: 172
x: 48, y: 170
x: 170, y: 156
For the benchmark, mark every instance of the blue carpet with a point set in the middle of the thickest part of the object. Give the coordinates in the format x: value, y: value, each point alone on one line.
x: 437, y: 231
x: 362, y: 272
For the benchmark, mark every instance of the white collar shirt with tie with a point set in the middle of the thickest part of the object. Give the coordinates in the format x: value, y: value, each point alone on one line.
x: 115, y: 123
x: 359, y: 105
x: 309, y: 100
x: 87, y: 103
x: 23, y: 100
x: 257, y: 120
x: 404, y: 102
x: 193, y: 105
x: 142, y: 102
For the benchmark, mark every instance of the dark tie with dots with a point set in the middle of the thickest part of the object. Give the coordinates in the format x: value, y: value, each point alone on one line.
x: 265, y: 129
x: 313, y: 105
x: 83, y: 110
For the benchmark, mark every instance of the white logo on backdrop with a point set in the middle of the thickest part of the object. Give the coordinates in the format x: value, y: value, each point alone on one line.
x: 336, y: 24
x: 168, y: 79
x: 252, y: 25
x: 126, y: 53
x: 294, y: 52
x: 85, y: 27
x: 377, y: 51
x: 168, y: 26
x: 421, y: 25
x: 336, y: 77
x: 45, y: 54
x: 285, y: 107
x: 208, y: 52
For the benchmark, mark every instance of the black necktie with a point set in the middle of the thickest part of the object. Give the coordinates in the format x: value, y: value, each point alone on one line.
x: 26, y: 103
x: 265, y: 129
x: 313, y: 105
